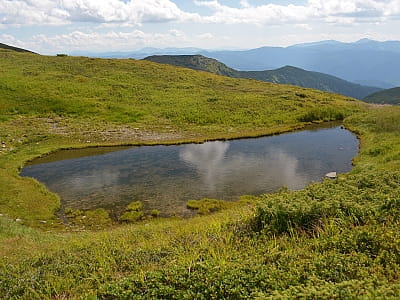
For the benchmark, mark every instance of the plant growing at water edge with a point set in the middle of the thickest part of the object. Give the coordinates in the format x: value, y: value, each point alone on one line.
x: 323, y: 114
x: 90, y: 219
x: 205, y: 206
x: 133, y: 212
x: 155, y: 213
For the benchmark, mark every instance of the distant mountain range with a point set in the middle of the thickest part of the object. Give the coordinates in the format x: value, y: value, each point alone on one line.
x: 284, y: 75
x: 4, y: 46
x: 366, y: 62
x: 390, y: 96
x: 139, y: 54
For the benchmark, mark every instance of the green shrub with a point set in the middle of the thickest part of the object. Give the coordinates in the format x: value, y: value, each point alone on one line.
x: 133, y: 212
x: 205, y: 206
x: 322, y: 114
x: 353, y: 200
x: 155, y: 213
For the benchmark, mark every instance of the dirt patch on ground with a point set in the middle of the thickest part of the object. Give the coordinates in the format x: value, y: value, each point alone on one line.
x: 126, y: 134
x: 110, y: 133
x: 376, y: 105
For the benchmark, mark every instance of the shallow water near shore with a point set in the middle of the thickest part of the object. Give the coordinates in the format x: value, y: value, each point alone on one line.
x: 166, y: 177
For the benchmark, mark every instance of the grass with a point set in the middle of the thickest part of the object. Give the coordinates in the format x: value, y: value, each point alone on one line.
x: 48, y: 103
x: 336, y: 239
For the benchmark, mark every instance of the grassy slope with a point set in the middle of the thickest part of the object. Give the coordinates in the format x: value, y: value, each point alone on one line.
x: 334, y: 239
x: 390, y: 96
x: 8, y: 47
x: 284, y: 75
x: 53, y: 102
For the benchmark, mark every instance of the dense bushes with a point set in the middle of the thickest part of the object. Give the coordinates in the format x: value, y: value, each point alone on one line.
x: 323, y: 114
x: 336, y: 240
x: 350, y: 200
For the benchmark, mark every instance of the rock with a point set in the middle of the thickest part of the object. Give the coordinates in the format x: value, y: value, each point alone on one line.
x: 331, y: 175
x: 43, y: 222
x: 18, y: 220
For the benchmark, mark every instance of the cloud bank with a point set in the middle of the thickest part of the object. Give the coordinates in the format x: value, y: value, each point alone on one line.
x: 60, y: 12
x: 341, y: 11
x: 135, y: 12
x: 120, y: 25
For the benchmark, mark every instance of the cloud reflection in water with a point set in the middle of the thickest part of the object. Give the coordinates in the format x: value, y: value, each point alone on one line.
x: 165, y: 177
x: 241, y: 172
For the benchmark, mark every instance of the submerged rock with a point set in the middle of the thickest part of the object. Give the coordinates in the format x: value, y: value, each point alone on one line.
x: 331, y: 175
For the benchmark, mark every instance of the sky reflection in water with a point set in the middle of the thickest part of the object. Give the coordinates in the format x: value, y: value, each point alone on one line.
x: 165, y: 177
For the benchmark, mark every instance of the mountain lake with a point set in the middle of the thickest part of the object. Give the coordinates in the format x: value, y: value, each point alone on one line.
x: 166, y: 177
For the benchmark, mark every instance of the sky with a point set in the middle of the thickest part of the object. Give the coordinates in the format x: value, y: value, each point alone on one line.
x: 64, y: 26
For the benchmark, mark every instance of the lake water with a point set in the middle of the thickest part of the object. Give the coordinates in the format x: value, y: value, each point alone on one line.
x: 165, y: 177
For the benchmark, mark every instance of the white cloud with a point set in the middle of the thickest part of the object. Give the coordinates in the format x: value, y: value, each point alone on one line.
x: 10, y: 40
x: 304, y: 26
x: 106, y: 41
x: 206, y: 35
x: 40, y: 12
x: 57, y: 12
x: 339, y: 11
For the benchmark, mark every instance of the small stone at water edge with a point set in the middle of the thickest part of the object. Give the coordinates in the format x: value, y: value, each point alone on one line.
x: 331, y: 175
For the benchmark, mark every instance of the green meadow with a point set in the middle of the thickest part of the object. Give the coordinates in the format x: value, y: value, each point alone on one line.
x: 336, y: 239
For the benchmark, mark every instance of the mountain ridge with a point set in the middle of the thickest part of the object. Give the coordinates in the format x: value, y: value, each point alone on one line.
x: 389, y: 96
x: 362, y: 61
x: 8, y: 47
x: 284, y: 75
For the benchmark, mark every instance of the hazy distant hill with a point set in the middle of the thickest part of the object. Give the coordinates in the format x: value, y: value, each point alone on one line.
x: 285, y: 75
x: 195, y: 62
x: 390, y: 96
x: 378, y: 83
x: 139, y: 54
x: 4, y: 46
x: 364, y: 60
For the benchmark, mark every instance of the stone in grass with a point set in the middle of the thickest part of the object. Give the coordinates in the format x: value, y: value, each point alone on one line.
x: 133, y: 212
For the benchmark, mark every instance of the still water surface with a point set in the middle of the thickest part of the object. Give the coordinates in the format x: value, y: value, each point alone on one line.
x: 165, y: 177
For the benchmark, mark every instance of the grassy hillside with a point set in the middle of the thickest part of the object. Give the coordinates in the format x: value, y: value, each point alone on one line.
x: 315, y: 80
x: 337, y: 239
x: 285, y: 75
x: 195, y: 62
x: 390, y: 96
x: 53, y: 102
x: 8, y: 47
